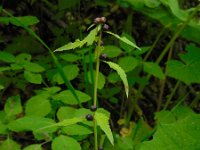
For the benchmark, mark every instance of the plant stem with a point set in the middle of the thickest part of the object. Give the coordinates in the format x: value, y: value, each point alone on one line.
x: 171, y: 95
x: 97, y: 52
x: 141, y: 87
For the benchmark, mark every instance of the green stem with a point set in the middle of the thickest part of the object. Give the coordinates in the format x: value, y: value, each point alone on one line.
x: 171, y: 95
x: 176, y: 34
x: 97, y: 52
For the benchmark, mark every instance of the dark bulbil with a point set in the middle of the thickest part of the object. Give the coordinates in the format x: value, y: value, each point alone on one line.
x: 89, y: 117
x: 93, y: 108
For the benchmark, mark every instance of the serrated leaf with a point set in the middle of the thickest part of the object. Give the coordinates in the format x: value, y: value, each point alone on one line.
x: 33, y: 147
x: 65, y: 143
x: 89, y: 39
x: 124, y: 39
x: 154, y: 69
x: 121, y: 73
x: 103, y: 122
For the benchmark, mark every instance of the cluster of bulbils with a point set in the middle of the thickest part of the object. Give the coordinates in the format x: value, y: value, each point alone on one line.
x: 101, y: 20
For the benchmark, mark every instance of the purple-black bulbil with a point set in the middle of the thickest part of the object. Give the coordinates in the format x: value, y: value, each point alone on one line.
x: 93, y: 108
x: 89, y: 117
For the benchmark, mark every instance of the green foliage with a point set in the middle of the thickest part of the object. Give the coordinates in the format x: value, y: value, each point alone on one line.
x: 33, y: 147
x: 187, y: 69
x: 122, y: 75
x: 103, y: 121
x: 9, y: 144
x: 64, y: 142
x: 180, y: 134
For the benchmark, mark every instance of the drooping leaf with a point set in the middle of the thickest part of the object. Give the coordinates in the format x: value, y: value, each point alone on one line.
x: 188, y: 69
x: 89, y: 39
x: 154, y: 69
x: 9, y: 144
x: 38, y: 105
x: 124, y: 39
x: 127, y: 47
x: 121, y: 73
x: 33, y: 77
x: 13, y: 106
x: 33, y: 147
x: 68, y: 98
x: 128, y: 63
x: 7, y: 57
x: 103, y: 121
x: 65, y: 143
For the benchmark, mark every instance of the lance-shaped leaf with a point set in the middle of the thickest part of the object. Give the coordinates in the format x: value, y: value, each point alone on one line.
x: 103, y: 121
x: 77, y: 44
x: 121, y: 73
x: 124, y: 39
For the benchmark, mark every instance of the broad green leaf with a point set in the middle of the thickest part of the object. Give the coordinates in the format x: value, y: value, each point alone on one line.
x: 65, y: 112
x: 3, y: 128
x: 76, y: 129
x: 33, y: 77
x: 25, y: 20
x: 101, y: 79
x: 32, y: 123
x: 113, y: 77
x: 7, y: 57
x: 33, y: 67
x: 152, y: 3
x: 9, y: 144
x: 180, y: 134
x: 33, y: 147
x: 1, y: 87
x: 38, y: 105
x: 89, y: 39
x: 65, y: 143
x: 186, y: 70
x: 4, y: 68
x: 13, y: 106
x: 128, y: 63
x: 124, y: 39
x: 121, y: 73
x: 154, y: 69
x: 103, y: 121
x: 70, y: 57
x: 112, y: 51
x: 71, y: 72
x: 68, y: 98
